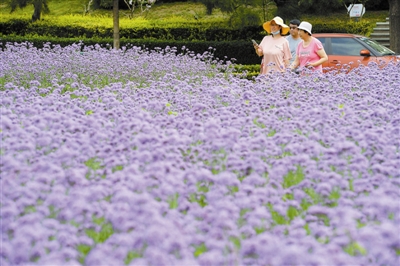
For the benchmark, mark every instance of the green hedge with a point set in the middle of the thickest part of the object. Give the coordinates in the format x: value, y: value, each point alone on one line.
x: 361, y: 27
x: 189, y: 33
x: 241, y: 51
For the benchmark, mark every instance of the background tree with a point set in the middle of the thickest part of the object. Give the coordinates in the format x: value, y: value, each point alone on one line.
x: 116, y: 24
x: 210, y: 5
x: 87, y: 7
x: 228, y: 6
x: 289, y: 9
x: 394, y: 24
x: 39, y: 6
x: 106, y: 4
x: 241, y: 11
x: 132, y: 4
x: 267, y: 5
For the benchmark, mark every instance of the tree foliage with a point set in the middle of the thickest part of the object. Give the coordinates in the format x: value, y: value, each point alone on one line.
x: 295, y: 8
x: 243, y: 17
x: 144, y: 5
x: 39, y: 6
x: 241, y: 13
x: 232, y: 5
x: 320, y: 6
x: 228, y: 6
x: 334, y: 5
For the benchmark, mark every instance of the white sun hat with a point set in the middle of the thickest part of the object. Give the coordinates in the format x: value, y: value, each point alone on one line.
x: 304, y: 25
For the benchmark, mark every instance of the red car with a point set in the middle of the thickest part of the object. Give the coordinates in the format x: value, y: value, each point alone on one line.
x: 353, y: 50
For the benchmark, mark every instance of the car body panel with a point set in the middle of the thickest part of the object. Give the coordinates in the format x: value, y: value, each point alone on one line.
x: 344, y: 51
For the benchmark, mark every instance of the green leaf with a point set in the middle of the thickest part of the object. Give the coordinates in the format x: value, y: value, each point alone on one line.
x: 293, y: 178
x: 351, y: 186
x: 276, y: 217
x: 241, y: 221
x: 360, y: 224
x: 233, y: 189
x: 236, y: 242
x: 260, y: 125
x: 172, y: 113
x: 29, y: 209
x: 100, y: 237
x: 53, y: 212
x: 173, y: 201
x: 355, y: 249
x: 334, y: 196
x: 288, y: 196
x: 199, y: 198
x: 94, y: 164
x: 292, y: 213
x: 83, y: 250
x: 98, y: 220
x: 316, y: 198
x: 307, y: 228
x: 117, y: 168
x: 324, y: 218
x: 305, y: 204
x: 131, y: 256
x: 271, y: 133
x: 202, y: 187
x: 200, y: 249
x: 259, y: 229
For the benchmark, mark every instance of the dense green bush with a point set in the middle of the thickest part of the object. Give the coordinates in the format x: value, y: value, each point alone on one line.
x: 361, y: 27
x: 186, y: 33
x: 189, y: 33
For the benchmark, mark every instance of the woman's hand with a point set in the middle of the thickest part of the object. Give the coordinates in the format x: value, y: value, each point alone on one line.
x: 258, y: 49
x: 295, y: 63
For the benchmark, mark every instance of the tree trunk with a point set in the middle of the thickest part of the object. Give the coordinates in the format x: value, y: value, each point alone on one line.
x: 37, y: 9
x: 394, y: 24
x: 116, y: 24
x: 36, y: 15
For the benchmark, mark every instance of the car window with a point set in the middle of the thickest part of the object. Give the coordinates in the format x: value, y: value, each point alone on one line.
x: 346, y: 46
x: 378, y: 47
x: 323, y: 41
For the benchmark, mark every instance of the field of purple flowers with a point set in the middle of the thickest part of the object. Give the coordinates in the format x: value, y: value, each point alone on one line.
x: 138, y: 157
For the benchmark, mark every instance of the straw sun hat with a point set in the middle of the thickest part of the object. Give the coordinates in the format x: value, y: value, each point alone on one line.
x: 278, y: 21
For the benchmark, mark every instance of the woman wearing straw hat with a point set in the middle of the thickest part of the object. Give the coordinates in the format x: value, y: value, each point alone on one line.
x: 310, y: 53
x: 274, y: 48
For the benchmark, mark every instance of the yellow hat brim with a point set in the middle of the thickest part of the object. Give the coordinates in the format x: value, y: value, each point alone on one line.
x: 267, y: 27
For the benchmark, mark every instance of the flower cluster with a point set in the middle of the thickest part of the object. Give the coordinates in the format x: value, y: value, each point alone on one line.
x: 165, y: 158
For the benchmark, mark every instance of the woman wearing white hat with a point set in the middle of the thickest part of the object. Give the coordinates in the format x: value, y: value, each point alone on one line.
x: 310, y: 52
x: 274, y: 48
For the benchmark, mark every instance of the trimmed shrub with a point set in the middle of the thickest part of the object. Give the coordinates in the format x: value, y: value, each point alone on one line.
x: 187, y: 33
